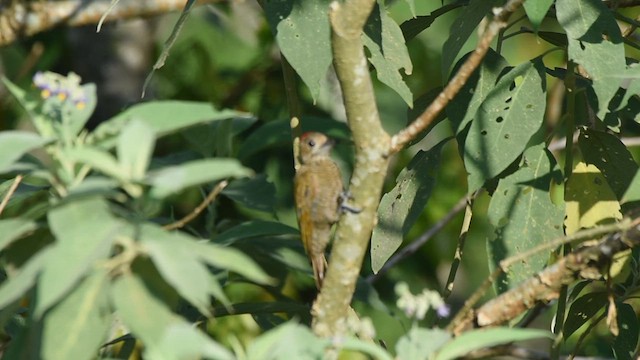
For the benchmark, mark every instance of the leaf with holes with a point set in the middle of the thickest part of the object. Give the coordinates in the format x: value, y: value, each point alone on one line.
x: 523, y: 216
x: 303, y: 33
x: 464, y: 106
x: 505, y: 122
x: 582, y: 310
x: 595, y: 42
x: 384, y: 39
x: 400, y: 207
x: 462, y: 29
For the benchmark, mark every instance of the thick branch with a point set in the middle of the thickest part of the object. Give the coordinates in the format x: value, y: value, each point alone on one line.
x: 371, y: 143
x: 499, y: 21
x: 586, y: 262
x: 29, y: 18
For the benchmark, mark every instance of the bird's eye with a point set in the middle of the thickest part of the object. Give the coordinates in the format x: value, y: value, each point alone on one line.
x: 311, y: 143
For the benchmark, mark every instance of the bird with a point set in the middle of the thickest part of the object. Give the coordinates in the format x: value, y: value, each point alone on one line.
x: 318, y: 196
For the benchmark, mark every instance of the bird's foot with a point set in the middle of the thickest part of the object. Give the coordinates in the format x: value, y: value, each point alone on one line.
x: 345, y: 196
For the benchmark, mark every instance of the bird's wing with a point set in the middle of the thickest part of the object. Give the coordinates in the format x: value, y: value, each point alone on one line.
x: 303, y: 191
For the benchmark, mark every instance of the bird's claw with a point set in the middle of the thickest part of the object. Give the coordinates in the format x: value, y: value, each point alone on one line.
x: 345, y: 196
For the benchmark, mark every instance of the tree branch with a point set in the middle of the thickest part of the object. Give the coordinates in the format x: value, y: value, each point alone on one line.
x: 371, y: 144
x: 193, y: 214
x: 29, y: 18
x: 586, y: 262
x: 499, y: 21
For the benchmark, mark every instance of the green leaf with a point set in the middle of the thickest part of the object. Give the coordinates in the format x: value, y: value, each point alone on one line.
x: 610, y: 156
x: 97, y: 159
x: 583, y: 309
x: 173, y: 179
x: 400, y: 208
x: 203, y: 138
x: 303, y: 33
x: 84, y: 232
x: 76, y: 327
x: 505, y: 122
x: 164, y: 335
x: 633, y: 191
x: 463, y: 108
x: 255, y: 193
x: 353, y: 343
x: 14, y: 144
x: 483, y: 338
x: 134, y: 149
x: 536, y: 11
x: 278, y: 132
x: 523, y: 216
x: 163, y: 117
x: 182, y: 341
x: 589, y: 198
x: 412, y: 27
x: 421, y: 343
x: 179, y: 264
x: 14, y: 229
x: 585, y: 22
x: 412, y: 7
x: 232, y: 260
x: 384, y: 39
x: 462, y: 29
x: 289, y: 341
x: 16, y: 286
x: 254, y: 228
x: 625, y: 343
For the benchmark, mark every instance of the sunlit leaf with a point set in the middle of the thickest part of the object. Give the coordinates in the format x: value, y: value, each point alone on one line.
x: 590, y: 200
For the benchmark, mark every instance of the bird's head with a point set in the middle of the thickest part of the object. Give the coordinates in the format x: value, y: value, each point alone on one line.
x: 313, y: 146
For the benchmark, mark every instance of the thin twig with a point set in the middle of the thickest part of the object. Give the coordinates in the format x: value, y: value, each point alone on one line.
x: 499, y: 21
x: 10, y: 192
x: 208, y: 200
x: 468, y: 214
x: 421, y: 240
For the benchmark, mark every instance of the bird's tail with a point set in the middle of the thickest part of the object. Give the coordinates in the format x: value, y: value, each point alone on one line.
x: 319, y: 264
